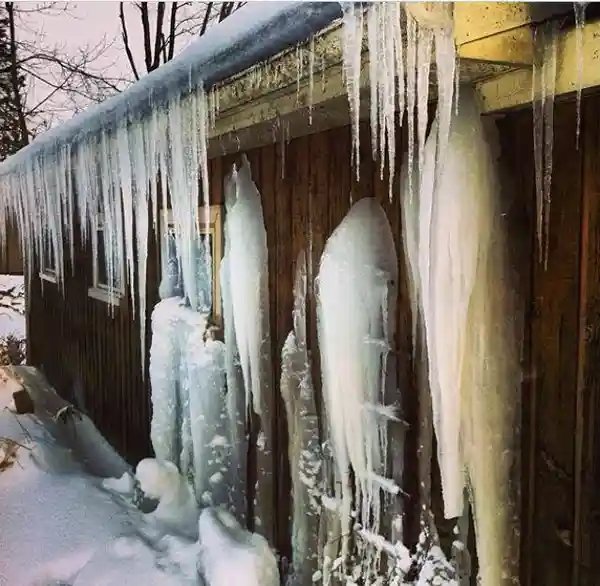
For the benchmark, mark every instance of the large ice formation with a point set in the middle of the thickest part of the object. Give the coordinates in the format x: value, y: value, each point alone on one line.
x: 356, y: 301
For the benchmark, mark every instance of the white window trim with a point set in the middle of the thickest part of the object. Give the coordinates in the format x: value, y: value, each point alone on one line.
x: 100, y: 291
x: 216, y: 229
x: 47, y: 274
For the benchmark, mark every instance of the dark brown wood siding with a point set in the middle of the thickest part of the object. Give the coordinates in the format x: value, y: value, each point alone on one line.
x: 561, y: 357
x: 93, y: 357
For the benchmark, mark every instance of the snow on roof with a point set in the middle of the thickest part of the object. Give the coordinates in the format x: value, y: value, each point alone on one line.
x: 252, y: 34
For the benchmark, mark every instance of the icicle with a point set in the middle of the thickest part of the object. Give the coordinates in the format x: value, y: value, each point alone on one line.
x: 543, y: 91
x: 303, y: 431
x: 141, y: 183
x: 463, y: 295
x: 352, y: 50
x: 538, y: 133
x: 212, y: 450
x: 357, y: 279
x: 165, y: 354
x: 248, y: 283
x: 424, y: 46
x: 411, y: 98
x: 550, y: 59
x: 446, y: 61
x: 311, y: 78
x: 579, y: 9
x: 236, y: 396
x: 373, y: 38
x: 127, y: 196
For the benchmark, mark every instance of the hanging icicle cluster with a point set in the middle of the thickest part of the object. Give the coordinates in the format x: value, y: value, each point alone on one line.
x: 190, y: 425
x: 401, y: 39
x: 114, y: 176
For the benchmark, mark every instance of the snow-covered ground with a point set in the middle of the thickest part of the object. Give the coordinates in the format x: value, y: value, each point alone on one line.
x: 62, y: 526
x: 12, y: 306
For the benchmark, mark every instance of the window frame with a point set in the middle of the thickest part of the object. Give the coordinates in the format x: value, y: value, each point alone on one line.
x: 103, y: 291
x: 215, y: 230
x: 47, y: 273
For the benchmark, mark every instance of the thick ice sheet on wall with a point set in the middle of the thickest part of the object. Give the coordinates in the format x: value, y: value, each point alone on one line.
x: 190, y: 424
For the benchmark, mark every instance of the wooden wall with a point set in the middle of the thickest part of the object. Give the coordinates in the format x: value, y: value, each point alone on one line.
x: 561, y: 358
x: 307, y: 188
x: 90, y: 352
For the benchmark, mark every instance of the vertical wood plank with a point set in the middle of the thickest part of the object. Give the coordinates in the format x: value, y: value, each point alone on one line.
x: 586, y: 564
x: 516, y: 137
x: 554, y: 348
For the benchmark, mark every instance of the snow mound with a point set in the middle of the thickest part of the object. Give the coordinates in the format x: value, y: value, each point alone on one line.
x: 231, y: 555
x: 177, y: 509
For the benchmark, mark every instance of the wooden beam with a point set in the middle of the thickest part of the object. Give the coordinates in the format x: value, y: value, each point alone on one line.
x: 479, y: 20
x: 513, y: 89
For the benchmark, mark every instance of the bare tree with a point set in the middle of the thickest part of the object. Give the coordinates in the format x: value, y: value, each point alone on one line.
x: 167, y: 25
x: 58, y: 82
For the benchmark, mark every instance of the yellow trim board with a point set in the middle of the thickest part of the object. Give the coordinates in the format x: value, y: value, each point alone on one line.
x: 513, y: 89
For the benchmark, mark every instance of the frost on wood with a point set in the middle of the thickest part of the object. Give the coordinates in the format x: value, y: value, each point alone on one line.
x: 458, y: 280
x: 247, y: 283
x: 400, y: 38
x: 228, y: 554
x: 543, y: 90
x: 357, y: 294
x: 304, y: 439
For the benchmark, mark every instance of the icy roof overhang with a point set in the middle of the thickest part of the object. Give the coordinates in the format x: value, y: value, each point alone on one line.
x: 252, y: 34
x: 268, y: 75
x: 495, y: 43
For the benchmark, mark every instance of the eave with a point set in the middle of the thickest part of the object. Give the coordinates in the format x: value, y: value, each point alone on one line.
x: 495, y: 43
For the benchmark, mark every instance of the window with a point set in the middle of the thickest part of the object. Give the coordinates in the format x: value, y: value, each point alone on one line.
x: 209, y: 243
x: 48, y: 259
x: 102, y: 289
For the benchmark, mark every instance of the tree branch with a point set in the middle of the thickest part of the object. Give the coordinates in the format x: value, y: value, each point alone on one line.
x: 160, y: 17
x: 146, y: 30
x: 14, y: 75
x: 126, y: 41
x: 172, y: 26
